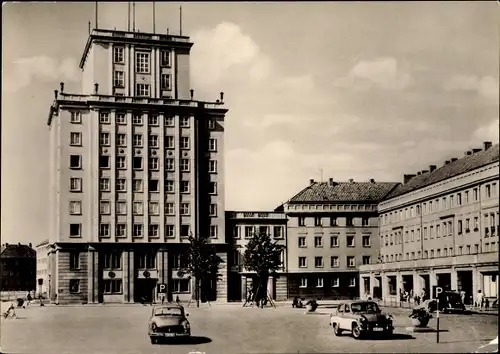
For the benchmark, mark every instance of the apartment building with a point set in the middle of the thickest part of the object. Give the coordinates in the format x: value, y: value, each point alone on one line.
x: 241, y: 225
x: 136, y: 167
x: 42, y: 267
x: 17, y: 267
x: 332, y: 230
x: 440, y: 228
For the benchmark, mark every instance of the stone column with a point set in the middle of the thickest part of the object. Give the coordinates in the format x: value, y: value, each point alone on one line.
x: 454, y: 279
x: 432, y: 281
x: 126, y: 276
x: 270, y: 287
x: 243, y: 288
x: 131, y: 274
x: 222, y: 282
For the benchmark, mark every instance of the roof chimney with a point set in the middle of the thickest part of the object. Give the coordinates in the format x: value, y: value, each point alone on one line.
x: 62, y: 87
x: 406, y: 178
x: 330, y: 181
x: 351, y: 180
x: 447, y: 162
x: 425, y: 171
x: 454, y: 159
x: 372, y: 180
x: 467, y: 153
x: 432, y: 167
x: 419, y: 173
x: 474, y: 151
x: 486, y: 145
x: 311, y: 181
x: 30, y: 245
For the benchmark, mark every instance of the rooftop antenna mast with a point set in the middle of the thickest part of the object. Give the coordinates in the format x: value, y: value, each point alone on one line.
x: 154, y: 27
x: 180, y: 20
x: 128, y: 16
x: 96, y: 16
x: 133, y: 16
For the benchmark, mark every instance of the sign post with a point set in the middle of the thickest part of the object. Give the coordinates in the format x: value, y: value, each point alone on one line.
x: 161, y: 290
x: 439, y: 290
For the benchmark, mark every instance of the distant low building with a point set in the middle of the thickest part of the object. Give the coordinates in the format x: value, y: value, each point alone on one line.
x: 42, y: 268
x: 17, y: 267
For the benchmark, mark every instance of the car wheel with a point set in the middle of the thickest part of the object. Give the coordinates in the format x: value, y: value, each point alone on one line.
x: 336, y: 330
x: 356, y: 331
x: 389, y: 332
x: 153, y: 340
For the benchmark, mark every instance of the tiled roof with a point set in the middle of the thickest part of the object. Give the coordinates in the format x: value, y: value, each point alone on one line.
x: 371, y: 192
x: 17, y: 251
x: 455, y: 168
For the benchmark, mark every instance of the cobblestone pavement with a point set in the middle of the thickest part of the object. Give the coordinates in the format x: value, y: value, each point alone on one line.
x: 226, y: 329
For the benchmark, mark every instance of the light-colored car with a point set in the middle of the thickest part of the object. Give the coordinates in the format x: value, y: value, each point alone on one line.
x: 360, y: 318
x: 168, y: 321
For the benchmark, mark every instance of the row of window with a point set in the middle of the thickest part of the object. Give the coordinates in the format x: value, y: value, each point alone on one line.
x: 335, y: 282
x: 451, y: 201
x: 251, y: 230
x: 115, y: 286
x: 142, y: 59
x: 334, y: 261
x: 75, y: 208
x: 442, y: 229
x: 444, y: 252
x: 75, y: 230
x: 334, y: 241
x: 137, y: 185
x: 332, y: 221
x: 144, y: 260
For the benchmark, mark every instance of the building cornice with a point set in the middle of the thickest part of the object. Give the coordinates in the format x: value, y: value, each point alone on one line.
x: 318, y: 207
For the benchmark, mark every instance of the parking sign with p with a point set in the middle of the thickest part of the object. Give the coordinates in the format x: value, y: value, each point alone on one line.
x: 436, y: 291
x: 161, y: 288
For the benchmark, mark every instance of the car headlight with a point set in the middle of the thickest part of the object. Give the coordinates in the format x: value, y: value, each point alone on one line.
x: 362, y: 320
x: 186, y: 325
x: 154, y: 327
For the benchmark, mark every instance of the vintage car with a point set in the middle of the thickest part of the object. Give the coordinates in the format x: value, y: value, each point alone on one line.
x: 360, y: 318
x: 167, y: 321
x: 449, y: 302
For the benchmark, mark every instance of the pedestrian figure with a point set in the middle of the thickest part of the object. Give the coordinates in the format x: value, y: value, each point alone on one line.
x: 479, y: 299
x: 28, y: 299
x: 11, y: 311
x: 462, y: 296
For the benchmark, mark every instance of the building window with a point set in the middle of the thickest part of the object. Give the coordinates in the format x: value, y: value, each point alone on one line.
x: 350, y: 241
x: 142, y: 90
x: 213, y: 231
x: 137, y: 185
x: 185, y: 165
x: 476, y: 223
x: 104, y: 162
x: 75, y: 162
x: 319, y: 282
x: 349, y: 221
x: 153, y: 140
x: 75, y: 184
x: 137, y: 232
x: 212, y: 187
x: 318, y: 241
x: 142, y: 63
x: 460, y: 229
x: 112, y: 286
x: 137, y: 208
x: 104, y: 139
x: 121, y: 185
x: 335, y: 282
x: 118, y: 56
x: 366, y: 221
x: 211, y: 124
x: 184, y: 208
x: 75, y: 230
x: 104, y: 118
x: 121, y: 118
x: 165, y: 81
x: 302, y: 241
x: 137, y: 119
x: 74, y: 260
x: 153, y: 120
x: 105, y: 207
x: 302, y: 262
x: 121, y: 208
x: 121, y: 140
x: 121, y: 162
x: 302, y: 221
x: 137, y: 140
x: 154, y: 208
x: 248, y: 231
x: 352, y: 281
x: 75, y: 117
x: 169, y: 121
x: 165, y: 58
x: 366, y: 241
x: 212, y: 144
x: 137, y: 163
x: 146, y: 260
x: 334, y: 261
x: 236, y: 232
x: 104, y: 185
x: 169, y: 165
x: 169, y: 142
x: 475, y: 194
x: 119, y: 79
x: 212, y: 210
x: 184, y: 186
x: 104, y: 230
x: 169, y: 208
x: 153, y: 230
x: 154, y: 164
x: 212, y: 166
x: 180, y: 286
x: 351, y: 261
x: 185, y: 122
x: 75, y: 139
x: 112, y: 260
x: 170, y: 230
x: 318, y: 221
x: 334, y: 241
x: 169, y: 186
x: 74, y: 286
x: 278, y: 232
x: 303, y: 282
x: 185, y: 142
x: 121, y: 230
x: 366, y: 259
x: 318, y: 262
x: 333, y: 221
x: 185, y: 230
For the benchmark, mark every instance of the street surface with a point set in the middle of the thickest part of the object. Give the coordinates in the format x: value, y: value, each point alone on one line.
x: 222, y: 329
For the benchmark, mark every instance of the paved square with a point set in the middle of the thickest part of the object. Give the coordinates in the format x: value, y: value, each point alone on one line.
x: 222, y: 329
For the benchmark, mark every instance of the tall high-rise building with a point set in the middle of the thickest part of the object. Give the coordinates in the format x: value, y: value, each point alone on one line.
x: 136, y: 167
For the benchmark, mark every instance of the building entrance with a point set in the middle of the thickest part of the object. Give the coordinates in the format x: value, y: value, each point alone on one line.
x: 144, y: 290
x: 377, y: 288
x: 464, y: 283
x: 444, y: 281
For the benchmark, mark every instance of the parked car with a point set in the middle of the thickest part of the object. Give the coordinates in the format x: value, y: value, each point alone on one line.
x: 361, y: 318
x: 167, y: 321
x: 449, y: 302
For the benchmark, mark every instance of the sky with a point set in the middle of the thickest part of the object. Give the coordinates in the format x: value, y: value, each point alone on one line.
x: 314, y: 90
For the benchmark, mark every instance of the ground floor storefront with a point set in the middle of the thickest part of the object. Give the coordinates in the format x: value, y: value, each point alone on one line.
x: 324, y: 285
x: 240, y: 286
x: 468, y: 273
x: 127, y: 273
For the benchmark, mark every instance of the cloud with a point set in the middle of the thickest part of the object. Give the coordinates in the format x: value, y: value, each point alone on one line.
x: 384, y: 73
x: 302, y: 83
x: 42, y: 68
x: 486, y: 86
x: 488, y: 132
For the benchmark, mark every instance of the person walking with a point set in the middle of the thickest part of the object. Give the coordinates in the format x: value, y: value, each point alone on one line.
x: 479, y: 299
x: 11, y: 311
